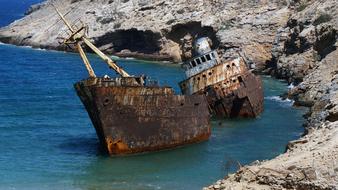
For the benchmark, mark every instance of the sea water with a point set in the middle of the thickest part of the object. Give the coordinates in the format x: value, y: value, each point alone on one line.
x: 47, y: 140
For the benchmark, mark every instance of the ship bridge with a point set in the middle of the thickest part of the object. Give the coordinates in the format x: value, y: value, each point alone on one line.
x: 200, y: 63
x: 205, y: 59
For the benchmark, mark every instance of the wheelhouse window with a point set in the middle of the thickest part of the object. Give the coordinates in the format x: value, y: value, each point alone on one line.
x: 203, y: 59
x: 208, y: 57
x: 193, y: 63
x: 198, y: 61
x: 213, y: 55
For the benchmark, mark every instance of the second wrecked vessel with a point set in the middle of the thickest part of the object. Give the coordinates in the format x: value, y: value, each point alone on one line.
x: 231, y: 89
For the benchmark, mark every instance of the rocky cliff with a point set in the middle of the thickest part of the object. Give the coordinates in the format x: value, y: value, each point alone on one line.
x: 156, y: 29
x: 305, y: 53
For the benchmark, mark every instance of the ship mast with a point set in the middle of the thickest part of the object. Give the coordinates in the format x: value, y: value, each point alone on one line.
x: 77, y: 37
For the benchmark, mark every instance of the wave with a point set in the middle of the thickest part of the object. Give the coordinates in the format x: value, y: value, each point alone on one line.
x: 280, y: 100
x: 41, y: 49
x: 115, y: 57
x: 38, y: 49
x: 291, y: 86
x: 34, y: 48
x: 30, y: 47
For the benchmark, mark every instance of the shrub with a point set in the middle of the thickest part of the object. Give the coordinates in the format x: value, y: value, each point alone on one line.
x: 301, y: 7
x: 324, y: 17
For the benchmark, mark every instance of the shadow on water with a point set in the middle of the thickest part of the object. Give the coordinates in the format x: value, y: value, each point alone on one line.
x: 81, y: 145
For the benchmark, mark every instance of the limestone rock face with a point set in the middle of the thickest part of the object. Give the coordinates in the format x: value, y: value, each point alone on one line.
x: 305, y: 53
x: 157, y: 27
x: 309, y: 35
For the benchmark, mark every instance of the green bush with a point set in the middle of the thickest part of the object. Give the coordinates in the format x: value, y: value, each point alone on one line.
x: 301, y: 7
x: 324, y: 17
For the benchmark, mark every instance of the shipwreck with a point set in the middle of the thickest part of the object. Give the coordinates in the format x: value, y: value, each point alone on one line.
x: 132, y: 114
x: 231, y: 89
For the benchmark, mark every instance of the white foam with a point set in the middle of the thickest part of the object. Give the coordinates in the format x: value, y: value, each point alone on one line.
x: 30, y: 47
x: 278, y: 99
x: 115, y: 57
x: 291, y: 86
x: 41, y: 49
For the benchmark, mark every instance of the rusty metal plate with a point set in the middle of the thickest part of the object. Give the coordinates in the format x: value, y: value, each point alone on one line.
x: 231, y: 89
x: 133, y: 119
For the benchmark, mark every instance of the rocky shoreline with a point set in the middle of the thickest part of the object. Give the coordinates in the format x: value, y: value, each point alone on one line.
x: 156, y: 27
x: 292, y: 40
x: 305, y: 54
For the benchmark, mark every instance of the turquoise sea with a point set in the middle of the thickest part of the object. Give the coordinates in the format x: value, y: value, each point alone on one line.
x: 47, y: 140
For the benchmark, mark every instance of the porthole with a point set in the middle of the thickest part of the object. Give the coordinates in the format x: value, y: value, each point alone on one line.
x: 106, y: 101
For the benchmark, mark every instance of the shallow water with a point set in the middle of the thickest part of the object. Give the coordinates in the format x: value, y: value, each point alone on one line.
x: 47, y: 139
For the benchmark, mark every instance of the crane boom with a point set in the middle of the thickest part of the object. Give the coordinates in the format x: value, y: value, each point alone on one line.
x: 63, y: 19
x: 85, y: 60
x: 107, y: 59
x: 76, y: 36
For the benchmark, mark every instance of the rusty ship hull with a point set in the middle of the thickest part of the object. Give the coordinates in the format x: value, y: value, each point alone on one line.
x: 231, y: 89
x: 130, y: 118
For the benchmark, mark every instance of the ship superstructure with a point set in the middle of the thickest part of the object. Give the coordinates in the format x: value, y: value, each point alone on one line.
x: 231, y: 89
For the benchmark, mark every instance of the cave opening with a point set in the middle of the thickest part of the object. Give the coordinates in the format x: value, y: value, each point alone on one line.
x: 196, y: 30
x: 134, y: 40
x: 184, y: 35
